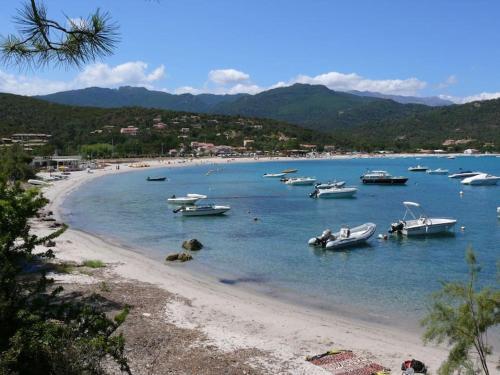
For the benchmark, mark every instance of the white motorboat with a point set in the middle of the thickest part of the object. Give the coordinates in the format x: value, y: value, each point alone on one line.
x: 274, y: 175
x: 464, y: 174
x: 481, y: 179
x: 421, y: 225
x: 188, y: 199
x: 329, y: 185
x: 202, y: 210
x: 418, y: 168
x: 346, y: 237
x: 343, y: 192
x: 35, y: 182
x: 437, y: 171
x: 498, y: 212
x: 300, y: 181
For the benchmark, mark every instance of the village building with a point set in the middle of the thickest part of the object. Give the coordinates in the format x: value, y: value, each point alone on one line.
x: 129, y: 130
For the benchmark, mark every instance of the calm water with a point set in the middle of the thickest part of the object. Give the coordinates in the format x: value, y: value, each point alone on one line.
x: 385, y: 281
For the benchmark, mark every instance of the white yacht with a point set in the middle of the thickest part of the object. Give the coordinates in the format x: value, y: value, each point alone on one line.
x: 329, y: 185
x: 188, y: 199
x: 422, y: 224
x: 202, y: 210
x: 300, y: 181
x: 418, y: 168
x: 464, y: 174
x: 274, y: 175
x: 481, y: 179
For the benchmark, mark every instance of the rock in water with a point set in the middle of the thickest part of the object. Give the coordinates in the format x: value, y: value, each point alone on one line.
x: 172, y: 257
x: 184, y: 257
x: 192, y: 244
x: 50, y: 243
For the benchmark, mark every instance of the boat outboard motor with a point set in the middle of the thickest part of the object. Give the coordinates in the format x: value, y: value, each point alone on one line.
x: 178, y: 209
x: 314, y: 194
x: 397, y: 227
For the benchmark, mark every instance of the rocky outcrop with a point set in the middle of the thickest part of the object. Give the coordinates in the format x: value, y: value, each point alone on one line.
x: 181, y: 257
x: 192, y: 245
x: 172, y: 257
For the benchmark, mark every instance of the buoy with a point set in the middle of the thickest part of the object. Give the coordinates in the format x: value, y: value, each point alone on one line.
x: 462, y: 228
x: 461, y: 192
x: 255, y: 218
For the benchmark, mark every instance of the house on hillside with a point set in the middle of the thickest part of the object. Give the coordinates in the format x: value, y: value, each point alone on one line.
x: 129, y: 130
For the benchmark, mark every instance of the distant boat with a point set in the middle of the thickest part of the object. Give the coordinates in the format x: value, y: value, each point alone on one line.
x: 155, y: 178
x: 274, y: 175
x: 188, y: 199
x: 463, y: 174
x: 329, y: 185
x: 451, y: 157
x: 418, y: 168
x: 382, y: 178
x: 35, y: 182
x: 343, y: 192
x: 300, y: 181
x: 481, y: 179
x: 202, y: 210
x: 437, y: 171
x: 346, y: 237
x: 422, y: 225
x: 290, y: 170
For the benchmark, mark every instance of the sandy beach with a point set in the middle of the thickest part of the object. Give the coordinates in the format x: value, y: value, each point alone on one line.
x: 232, y: 318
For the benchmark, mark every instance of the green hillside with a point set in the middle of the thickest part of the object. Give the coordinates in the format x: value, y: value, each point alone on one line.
x: 72, y: 127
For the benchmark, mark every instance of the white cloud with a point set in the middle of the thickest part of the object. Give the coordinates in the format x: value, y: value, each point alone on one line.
x: 451, y: 80
x: 188, y: 90
x: 472, y: 98
x: 227, y: 76
x: 352, y: 81
x: 133, y: 73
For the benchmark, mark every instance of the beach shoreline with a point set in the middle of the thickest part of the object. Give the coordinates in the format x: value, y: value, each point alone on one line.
x: 233, y: 317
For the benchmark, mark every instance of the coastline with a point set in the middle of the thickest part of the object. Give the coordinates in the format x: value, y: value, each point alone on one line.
x: 233, y: 317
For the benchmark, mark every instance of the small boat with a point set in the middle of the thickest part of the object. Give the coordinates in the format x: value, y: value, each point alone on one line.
x: 421, y: 225
x: 300, y: 181
x: 418, y: 168
x: 330, y: 185
x: 498, y: 212
x: 463, y: 174
x: 202, y: 210
x: 481, y: 179
x: 274, y: 175
x: 156, y: 178
x: 290, y: 170
x: 451, y: 157
x: 382, y: 178
x: 343, y: 192
x: 437, y: 171
x: 346, y: 237
x: 35, y: 182
x: 188, y: 199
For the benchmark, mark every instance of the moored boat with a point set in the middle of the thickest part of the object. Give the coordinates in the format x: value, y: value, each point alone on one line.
x: 274, y: 175
x: 300, y: 181
x: 36, y: 182
x: 290, y: 170
x: 382, y: 178
x: 481, y: 179
x: 329, y: 185
x: 418, y: 168
x: 437, y: 171
x: 463, y: 174
x: 346, y: 237
x: 335, y: 192
x: 421, y: 225
x: 202, y: 210
x: 188, y: 199
x: 156, y: 178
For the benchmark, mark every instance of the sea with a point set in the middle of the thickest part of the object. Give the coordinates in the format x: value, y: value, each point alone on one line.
x: 262, y: 243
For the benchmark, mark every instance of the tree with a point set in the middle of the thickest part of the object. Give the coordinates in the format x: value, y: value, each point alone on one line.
x: 14, y: 164
x: 42, y: 40
x: 462, y: 314
x: 41, y: 333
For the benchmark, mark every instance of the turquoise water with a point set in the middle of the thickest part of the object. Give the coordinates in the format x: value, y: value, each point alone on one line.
x: 386, y: 281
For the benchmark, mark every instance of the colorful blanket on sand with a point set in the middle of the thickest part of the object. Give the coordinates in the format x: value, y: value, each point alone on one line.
x: 345, y: 362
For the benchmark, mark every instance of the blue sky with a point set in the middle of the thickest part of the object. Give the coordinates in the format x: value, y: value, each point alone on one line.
x: 447, y: 47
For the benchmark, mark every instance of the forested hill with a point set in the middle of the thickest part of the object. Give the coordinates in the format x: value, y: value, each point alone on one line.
x: 72, y: 127
x: 310, y: 106
x: 471, y: 125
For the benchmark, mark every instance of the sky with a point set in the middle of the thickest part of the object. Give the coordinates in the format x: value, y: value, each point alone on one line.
x: 447, y: 48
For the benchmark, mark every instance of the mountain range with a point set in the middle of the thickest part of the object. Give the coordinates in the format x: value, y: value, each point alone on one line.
x: 311, y: 106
